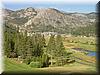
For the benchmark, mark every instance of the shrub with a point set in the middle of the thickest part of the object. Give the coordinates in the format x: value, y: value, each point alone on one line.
x: 27, y: 61
x: 35, y: 59
x: 35, y: 64
x: 45, y: 60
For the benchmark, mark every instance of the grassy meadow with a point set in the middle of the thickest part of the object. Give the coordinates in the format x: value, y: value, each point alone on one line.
x: 12, y: 65
x: 88, y: 43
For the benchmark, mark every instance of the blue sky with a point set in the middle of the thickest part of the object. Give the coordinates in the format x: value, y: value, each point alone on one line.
x: 83, y: 7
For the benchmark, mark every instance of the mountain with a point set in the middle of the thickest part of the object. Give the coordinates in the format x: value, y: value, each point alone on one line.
x: 51, y: 20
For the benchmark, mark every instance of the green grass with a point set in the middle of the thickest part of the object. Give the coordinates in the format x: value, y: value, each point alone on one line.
x: 12, y: 66
x: 88, y: 43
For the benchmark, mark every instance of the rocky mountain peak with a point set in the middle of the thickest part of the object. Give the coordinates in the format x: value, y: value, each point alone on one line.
x: 7, y: 12
x: 49, y: 20
x: 30, y: 9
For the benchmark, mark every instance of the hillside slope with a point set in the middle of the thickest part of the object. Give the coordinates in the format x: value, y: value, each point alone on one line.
x: 51, y: 20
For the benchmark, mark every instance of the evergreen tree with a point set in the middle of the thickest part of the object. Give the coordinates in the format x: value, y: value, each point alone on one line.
x: 9, y: 43
x: 6, y: 43
x: 43, y: 41
x: 51, y: 47
x: 16, y: 40
x: 29, y: 50
x: 45, y: 60
x: 60, y: 49
x: 38, y: 45
x: 23, y: 47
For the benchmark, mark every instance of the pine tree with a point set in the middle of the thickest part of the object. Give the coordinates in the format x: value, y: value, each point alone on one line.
x: 45, y: 60
x: 59, y: 48
x: 29, y: 50
x: 16, y: 46
x: 51, y: 48
x: 23, y: 47
x: 38, y: 45
x: 6, y: 43
x: 9, y: 43
x: 43, y: 41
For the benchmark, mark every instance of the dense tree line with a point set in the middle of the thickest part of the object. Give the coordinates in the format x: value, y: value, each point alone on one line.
x: 89, y: 30
x: 34, y: 49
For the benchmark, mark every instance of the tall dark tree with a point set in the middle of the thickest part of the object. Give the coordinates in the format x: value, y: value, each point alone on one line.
x: 51, y: 47
x: 60, y: 49
x: 45, y: 60
x: 9, y: 42
x: 29, y: 47
x: 38, y: 45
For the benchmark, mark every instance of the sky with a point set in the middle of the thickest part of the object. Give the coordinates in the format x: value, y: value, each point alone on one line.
x: 63, y: 5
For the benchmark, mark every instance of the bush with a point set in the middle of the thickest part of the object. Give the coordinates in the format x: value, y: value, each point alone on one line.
x: 27, y: 61
x: 45, y: 60
x: 35, y: 64
x: 35, y: 59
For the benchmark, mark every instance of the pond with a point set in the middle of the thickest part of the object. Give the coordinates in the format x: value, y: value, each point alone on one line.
x: 91, y: 54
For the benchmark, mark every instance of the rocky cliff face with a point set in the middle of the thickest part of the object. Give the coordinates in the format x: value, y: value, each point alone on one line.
x: 48, y: 20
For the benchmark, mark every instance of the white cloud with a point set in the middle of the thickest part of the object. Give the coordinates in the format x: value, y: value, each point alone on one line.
x: 52, y: 1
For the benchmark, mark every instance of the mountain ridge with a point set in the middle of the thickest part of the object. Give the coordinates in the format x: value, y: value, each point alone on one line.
x: 49, y: 20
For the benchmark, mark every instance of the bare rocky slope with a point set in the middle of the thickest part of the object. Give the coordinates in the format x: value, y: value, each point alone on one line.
x: 50, y: 20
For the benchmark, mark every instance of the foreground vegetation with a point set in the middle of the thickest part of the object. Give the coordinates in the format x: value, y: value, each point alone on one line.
x: 13, y: 65
x: 35, y: 50
x: 54, y: 53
